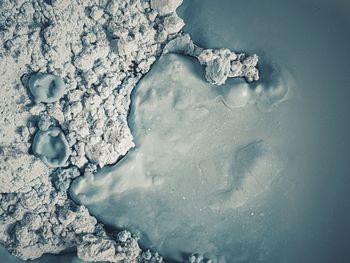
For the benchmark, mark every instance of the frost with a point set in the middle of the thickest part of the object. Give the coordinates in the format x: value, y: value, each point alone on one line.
x: 96, y: 13
x: 51, y: 147
x: 46, y: 87
x: 173, y: 24
x: 14, y: 167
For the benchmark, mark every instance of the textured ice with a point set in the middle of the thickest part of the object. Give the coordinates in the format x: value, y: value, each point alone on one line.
x: 46, y: 87
x: 93, y: 53
x: 219, y: 64
x: 306, y: 218
x: 165, y: 7
x: 51, y: 147
x: 196, y: 161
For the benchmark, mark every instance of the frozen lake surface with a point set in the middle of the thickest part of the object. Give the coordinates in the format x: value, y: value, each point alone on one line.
x: 304, y: 213
x: 299, y: 211
x: 201, y: 153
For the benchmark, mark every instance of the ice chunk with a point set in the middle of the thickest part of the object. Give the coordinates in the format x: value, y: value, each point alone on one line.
x: 182, y: 44
x: 51, y: 147
x: 173, y: 24
x: 46, y: 87
x: 96, y: 249
x: 220, y: 64
x: 165, y: 7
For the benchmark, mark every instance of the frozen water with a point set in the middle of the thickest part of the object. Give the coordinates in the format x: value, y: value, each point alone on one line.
x: 304, y: 216
x: 307, y: 216
x: 46, y: 87
x: 51, y: 147
x: 6, y: 257
x: 198, y: 157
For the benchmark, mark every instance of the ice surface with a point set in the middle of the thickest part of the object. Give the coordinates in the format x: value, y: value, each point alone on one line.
x: 196, y: 161
x: 165, y: 7
x: 307, y: 217
x: 46, y: 87
x: 51, y: 147
x: 6, y: 257
x: 219, y: 64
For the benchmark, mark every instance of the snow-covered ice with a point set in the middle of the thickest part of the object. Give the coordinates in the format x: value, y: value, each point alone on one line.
x: 82, y: 59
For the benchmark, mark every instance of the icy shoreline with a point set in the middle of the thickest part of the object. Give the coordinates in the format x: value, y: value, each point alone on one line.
x: 198, y: 161
x: 110, y: 45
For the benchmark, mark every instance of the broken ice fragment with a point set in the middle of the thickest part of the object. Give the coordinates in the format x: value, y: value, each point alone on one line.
x: 46, y: 88
x: 173, y: 24
x: 165, y: 7
x: 217, y: 70
x: 220, y: 64
x: 51, y: 147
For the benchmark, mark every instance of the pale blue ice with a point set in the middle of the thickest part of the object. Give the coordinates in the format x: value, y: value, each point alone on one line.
x: 304, y: 216
x: 46, y: 88
x: 51, y: 147
x: 202, y: 154
x: 304, y: 213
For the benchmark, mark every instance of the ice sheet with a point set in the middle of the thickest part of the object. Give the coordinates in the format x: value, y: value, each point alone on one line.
x: 196, y: 161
